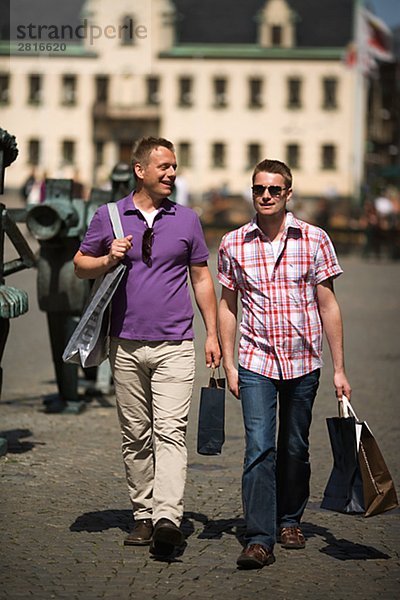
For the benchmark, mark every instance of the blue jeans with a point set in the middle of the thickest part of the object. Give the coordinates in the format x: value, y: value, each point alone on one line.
x: 276, y: 477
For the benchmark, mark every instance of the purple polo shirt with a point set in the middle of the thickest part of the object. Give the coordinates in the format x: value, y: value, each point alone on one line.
x: 152, y: 303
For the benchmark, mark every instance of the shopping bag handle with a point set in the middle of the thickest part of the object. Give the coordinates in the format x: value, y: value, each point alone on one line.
x: 213, y: 369
x: 214, y: 381
x: 115, y: 220
x: 346, y: 408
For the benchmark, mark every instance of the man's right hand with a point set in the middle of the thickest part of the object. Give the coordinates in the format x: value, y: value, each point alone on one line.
x: 119, y: 248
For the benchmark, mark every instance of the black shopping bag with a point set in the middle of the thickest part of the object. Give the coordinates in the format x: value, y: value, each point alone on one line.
x: 211, y: 426
x: 360, y: 481
x: 344, y: 490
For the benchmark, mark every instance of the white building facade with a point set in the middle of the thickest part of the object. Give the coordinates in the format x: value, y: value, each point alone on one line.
x: 225, y: 106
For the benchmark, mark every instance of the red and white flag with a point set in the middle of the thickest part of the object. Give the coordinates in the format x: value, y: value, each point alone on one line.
x: 377, y: 37
x: 373, y: 42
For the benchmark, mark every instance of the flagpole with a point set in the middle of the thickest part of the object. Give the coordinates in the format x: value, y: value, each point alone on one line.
x: 359, y: 106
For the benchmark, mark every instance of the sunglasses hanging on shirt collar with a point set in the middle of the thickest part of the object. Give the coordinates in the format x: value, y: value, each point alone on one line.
x: 147, y: 244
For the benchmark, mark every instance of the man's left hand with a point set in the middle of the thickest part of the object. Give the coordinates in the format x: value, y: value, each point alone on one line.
x: 342, y: 386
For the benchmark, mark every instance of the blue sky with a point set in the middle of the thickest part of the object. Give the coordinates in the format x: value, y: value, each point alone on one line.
x: 387, y: 10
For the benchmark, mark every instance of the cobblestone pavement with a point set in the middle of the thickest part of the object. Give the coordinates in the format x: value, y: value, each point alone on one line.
x: 64, y: 502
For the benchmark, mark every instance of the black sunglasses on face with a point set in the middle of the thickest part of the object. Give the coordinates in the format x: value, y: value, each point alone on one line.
x: 147, y: 243
x: 274, y: 190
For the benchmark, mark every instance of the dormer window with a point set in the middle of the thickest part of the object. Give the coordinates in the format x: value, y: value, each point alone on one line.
x: 127, y: 31
x: 276, y: 35
x: 276, y: 25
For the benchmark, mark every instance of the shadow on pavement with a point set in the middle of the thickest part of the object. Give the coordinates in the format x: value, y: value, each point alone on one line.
x: 214, y: 528
x: 342, y: 549
x: 14, y: 443
x: 102, y: 520
x: 122, y: 519
x: 25, y: 401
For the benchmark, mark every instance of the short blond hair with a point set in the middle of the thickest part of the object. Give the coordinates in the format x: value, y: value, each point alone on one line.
x: 143, y: 147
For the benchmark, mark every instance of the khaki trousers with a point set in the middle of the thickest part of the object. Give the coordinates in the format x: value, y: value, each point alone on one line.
x: 153, y: 385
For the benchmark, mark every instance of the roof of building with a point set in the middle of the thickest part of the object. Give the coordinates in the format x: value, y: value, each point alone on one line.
x: 319, y: 23
x: 326, y: 23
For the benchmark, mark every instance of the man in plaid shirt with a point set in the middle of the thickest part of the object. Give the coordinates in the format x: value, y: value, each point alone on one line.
x: 283, y: 269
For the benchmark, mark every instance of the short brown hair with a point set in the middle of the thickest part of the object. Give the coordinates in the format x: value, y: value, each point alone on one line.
x: 143, y: 147
x: 274, y: 166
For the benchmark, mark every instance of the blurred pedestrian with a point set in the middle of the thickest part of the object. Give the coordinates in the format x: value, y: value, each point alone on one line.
x: 152, y: 352
x: 373, y: 234
x: 37, y: 191
x: 78, y: 189
x: 283, y: 269
x: 384, y: 208
x: 323, y: 213
x: 386, y: 211
x: 27, y: 185
x: 181, y: 192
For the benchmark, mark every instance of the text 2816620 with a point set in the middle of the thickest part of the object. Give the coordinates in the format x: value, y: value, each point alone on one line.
x: 41, y: 47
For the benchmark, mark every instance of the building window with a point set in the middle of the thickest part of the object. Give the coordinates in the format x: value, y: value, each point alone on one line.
x: 184, y: 154
x: 218, y: 155
x: 68, y: 97
x: 35, y: 89
x: 328, y: 157
x: 255, y: 93
x: 153, y: 91
x: 220, y: 92
x: 4, y: 88
x: 34, y: 152
x: 98, y: 153
x: 127, y: 31
x: 293, y: 156
x: 329, y: 90
x: 294, y: 92
x: 185, y: 91
x: 276, y: 35
x: 253, y: 155
x: 68, y: 152
x: 102, y: 86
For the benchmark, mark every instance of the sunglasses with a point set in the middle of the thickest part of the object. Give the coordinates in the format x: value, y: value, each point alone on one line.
x: 147, y: 243
x: 274, y: 190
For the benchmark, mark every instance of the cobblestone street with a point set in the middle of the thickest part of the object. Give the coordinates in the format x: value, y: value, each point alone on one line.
x: 64, y: 503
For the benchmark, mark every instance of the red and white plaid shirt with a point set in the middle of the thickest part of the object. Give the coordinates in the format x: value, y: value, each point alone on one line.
x: 281, y: 329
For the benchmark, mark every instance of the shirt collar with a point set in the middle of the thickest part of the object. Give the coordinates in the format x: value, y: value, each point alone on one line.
x: 290, y: 223
x: 128, y: 205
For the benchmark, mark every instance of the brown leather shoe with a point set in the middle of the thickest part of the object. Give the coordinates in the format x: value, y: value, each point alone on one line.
x: 255, y: 556
x: 166, y: 537
x: 292, y: 538
x: 140, y: 534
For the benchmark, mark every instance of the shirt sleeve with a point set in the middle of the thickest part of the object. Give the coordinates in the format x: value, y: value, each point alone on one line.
x: 226, y: 273
x: 326, y: 262
x: 198, y: 251
x: 98, y: 237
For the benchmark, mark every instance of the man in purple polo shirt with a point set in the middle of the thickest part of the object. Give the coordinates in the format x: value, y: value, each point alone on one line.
x: 152, y: 353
